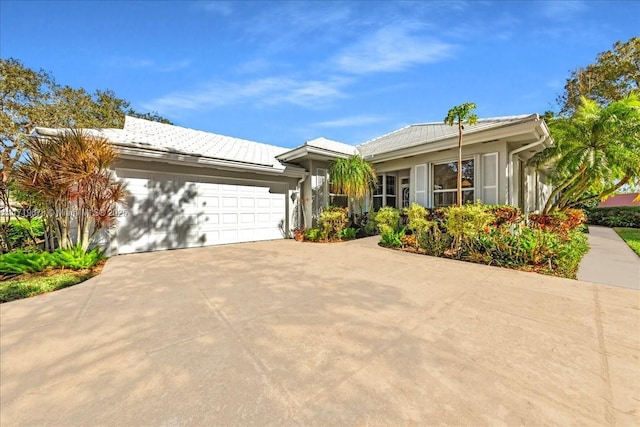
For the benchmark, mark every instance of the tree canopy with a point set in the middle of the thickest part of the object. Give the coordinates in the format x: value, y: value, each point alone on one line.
x: 597, y: 151
x: 614, y: 75
x: 354, y: 177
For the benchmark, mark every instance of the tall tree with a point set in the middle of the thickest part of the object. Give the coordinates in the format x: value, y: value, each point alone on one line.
x: 614, y: 75
x: 354, y: 177
x: 457, y: 116
x: 597, y: 151
x: 31, y: 98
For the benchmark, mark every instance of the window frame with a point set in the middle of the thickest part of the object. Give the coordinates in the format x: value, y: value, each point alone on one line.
x: 454, y: 190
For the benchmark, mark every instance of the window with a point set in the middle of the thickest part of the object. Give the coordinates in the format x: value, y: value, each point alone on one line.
x: 385, y: 193
x: 445, y: 179
x: 323, y: 193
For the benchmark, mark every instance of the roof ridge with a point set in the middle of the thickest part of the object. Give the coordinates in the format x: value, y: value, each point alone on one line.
x: 202, y: 132
x: 385, y: 135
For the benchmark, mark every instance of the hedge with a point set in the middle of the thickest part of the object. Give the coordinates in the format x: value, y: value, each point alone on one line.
x: 617, y: 216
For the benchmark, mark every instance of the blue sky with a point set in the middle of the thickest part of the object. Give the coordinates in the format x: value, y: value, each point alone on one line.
x: 287, y: 72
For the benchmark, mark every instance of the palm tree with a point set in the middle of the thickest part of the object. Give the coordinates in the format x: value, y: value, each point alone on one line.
x: 354, y: 177
x: 68, y: 175
x: 458, y: 115
x: 597, y: 152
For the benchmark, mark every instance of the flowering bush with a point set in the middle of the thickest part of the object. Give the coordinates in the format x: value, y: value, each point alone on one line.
x: 498, y: 235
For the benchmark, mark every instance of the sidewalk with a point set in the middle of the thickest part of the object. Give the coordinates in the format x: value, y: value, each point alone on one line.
x: 610, y: 261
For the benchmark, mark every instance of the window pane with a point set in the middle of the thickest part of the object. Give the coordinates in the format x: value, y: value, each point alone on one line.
x: 445, y: 176
x: 378, y: 190
x: 391, y: 201
x: 377, y: 203
x: 339, y: 200
x: 391, y: 186
x: 446, y: 198
x: 467, y: 174
x: 467, y: 196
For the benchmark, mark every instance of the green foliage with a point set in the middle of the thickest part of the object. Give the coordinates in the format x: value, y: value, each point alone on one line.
x: 313, y: 234
x: 388, y: 220
x: 354, y: 177
x: 499, y: 235
x: 597, y: 151
x: 418, y: 218
x: 631, y: 236
x: 19, y: 262
x: 21, y: 233
x: 369, y: 223
x: 332, y: 221
x: 349, y: 233
x: 15, y: 289
x: 613, y: 76
x: 622, y: 216
x: 392, y: 239
x: 466, y: 222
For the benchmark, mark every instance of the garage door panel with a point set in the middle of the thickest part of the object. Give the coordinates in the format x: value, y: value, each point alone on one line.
x: 168, y: 211
x: 229, y: 202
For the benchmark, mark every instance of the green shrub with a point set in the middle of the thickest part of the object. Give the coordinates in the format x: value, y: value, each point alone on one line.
x: 620, y: 216
x: 417, y: 216
x: 19, y: 262
x: 75, y: 259
x: 19, y: 232
x: 332, y: 221
x: 313, y: 234
x: 388, y: 220
x: 370, y: 224
x: 349, y: 233
x: 392, y: 239
x: 465, y: 222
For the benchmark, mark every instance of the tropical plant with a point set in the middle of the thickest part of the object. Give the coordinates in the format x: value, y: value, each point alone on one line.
x: 332, y: 221
x: 392, y: 239
x: 69, y: 174
x: 459, y: 115
x: 349, y: 233
x: 597, y: 152
x: 354, y: 177
x: 388, y: 219
x: 313, y: 234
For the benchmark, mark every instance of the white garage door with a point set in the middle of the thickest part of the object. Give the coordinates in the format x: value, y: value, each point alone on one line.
x: 166, y: 212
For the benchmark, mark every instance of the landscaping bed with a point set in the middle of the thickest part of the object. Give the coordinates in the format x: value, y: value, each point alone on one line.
x: 492, y: 235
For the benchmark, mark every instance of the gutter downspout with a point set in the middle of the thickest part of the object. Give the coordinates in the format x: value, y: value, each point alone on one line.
x: 300, y: 204
x: 510, y: 165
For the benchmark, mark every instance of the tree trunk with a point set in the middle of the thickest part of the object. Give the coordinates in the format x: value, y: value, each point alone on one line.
x: 459, y: 163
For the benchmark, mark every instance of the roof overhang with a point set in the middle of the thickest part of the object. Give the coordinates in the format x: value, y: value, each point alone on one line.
x: 529, y: 129
x: 306, y: 152
x: 144, y: 152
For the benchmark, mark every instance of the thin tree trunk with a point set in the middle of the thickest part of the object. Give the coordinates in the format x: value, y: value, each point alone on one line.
x: 622, y: 182
x: 459, y: 163
x: 549, y: 205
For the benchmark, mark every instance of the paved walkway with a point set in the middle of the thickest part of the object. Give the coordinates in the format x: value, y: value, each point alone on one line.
x: 610, y: 260
x: 345, y: 334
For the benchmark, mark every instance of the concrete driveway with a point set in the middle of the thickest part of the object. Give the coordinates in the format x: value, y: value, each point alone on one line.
x: 307, y: 334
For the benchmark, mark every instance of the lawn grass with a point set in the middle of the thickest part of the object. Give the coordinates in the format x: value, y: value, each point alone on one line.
x: 26, y: 286
x: 631, y: 236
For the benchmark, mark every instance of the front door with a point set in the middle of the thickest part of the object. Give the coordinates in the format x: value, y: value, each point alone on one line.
x: 404, y: 191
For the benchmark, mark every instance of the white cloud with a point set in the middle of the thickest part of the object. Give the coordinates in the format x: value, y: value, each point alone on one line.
x: 352, y: 121
x: 223, y: 8
x: 391, y: 49
x: 266, y: 91
x: 147, y: 64
x: 562, y: 10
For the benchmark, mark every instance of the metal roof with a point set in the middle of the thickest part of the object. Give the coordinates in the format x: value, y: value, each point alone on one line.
x: 425, y: 133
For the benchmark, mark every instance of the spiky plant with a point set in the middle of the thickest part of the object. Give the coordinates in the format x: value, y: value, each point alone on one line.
x: 69, y: 174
